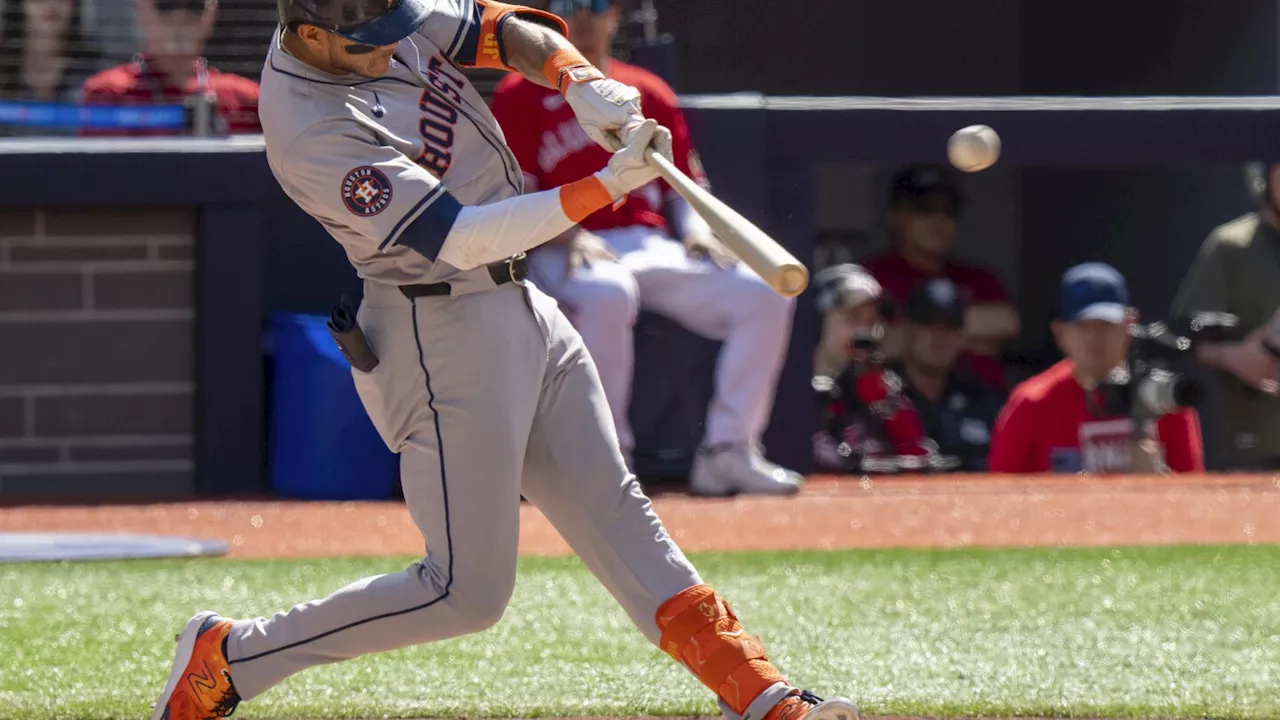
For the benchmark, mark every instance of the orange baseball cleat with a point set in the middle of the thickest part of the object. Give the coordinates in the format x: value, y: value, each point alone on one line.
x: 804, y: 705
x: 199, y: 686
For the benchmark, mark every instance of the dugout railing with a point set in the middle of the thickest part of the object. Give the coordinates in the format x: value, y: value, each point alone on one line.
x: 256, y: 253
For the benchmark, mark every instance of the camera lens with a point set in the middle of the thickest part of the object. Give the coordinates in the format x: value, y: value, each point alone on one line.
x: 1187, y: 391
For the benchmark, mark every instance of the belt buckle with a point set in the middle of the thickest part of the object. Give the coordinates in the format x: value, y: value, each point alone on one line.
x: 511, y: 268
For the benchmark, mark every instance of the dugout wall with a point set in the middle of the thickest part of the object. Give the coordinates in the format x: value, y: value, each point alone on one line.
x: 1138, y: 182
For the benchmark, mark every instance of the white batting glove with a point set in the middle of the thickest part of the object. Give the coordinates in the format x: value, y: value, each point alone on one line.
x: 628, y: 169
x: 606, y: 109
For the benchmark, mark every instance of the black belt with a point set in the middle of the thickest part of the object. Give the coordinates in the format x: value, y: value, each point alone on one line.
x: 514, y: 269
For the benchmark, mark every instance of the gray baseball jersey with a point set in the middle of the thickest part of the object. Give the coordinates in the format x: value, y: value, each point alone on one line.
x: 369, y: 158
x: 488, y: 393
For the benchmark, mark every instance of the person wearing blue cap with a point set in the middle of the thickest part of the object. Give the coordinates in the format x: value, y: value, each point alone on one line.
x: 1052, y: 422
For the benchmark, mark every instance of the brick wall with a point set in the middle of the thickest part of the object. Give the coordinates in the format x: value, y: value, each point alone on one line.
x: 97, y: 370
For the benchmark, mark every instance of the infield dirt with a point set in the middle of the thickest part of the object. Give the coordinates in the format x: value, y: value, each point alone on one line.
x: 831, y: 513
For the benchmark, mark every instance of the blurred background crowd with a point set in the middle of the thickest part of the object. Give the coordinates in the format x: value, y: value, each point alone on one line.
x: 1011, y: 321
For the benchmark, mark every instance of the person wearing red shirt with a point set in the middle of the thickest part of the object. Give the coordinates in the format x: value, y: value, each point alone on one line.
x: 623, y: 258
x: 171, y: 69
x: 1050, y: 423
x: 924, y: 203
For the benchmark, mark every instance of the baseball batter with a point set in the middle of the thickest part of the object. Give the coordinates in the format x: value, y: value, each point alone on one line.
x: 633, y: 263
x: 484, y: 387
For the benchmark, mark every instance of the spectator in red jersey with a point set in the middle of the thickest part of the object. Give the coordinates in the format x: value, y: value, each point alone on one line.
x: 46, y: 57
x: 622, y: 259
x: 171, y: 70
x: 1052, y: 422
x: 924, y: 203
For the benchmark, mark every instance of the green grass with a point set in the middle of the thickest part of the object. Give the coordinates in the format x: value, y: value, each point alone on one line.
x: 1171, y: 632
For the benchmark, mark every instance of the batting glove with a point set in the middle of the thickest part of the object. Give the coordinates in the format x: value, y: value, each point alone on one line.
x: 628, y: 169
x: 606, y: 109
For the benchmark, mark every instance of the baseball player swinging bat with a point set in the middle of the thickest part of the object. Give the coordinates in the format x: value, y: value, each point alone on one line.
x: 784, y: 273
x: 484, y: 388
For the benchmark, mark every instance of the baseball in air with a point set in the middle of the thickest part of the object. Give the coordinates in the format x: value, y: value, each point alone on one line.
x: 974, y: 148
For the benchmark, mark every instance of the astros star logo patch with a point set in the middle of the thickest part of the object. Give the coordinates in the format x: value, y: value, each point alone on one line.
x: 366, y: 191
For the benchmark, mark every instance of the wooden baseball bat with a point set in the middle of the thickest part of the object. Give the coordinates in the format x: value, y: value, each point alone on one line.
x: 784, y: 273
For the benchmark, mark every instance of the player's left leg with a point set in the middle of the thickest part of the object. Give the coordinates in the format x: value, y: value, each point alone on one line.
x: 754, y: 322
x: 575, y: 475
x: 601, y: 300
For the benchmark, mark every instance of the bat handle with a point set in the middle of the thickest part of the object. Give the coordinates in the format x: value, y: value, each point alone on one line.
x: 669, y: 172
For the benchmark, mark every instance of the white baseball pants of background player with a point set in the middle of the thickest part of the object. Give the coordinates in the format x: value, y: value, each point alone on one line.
x: 734, y: 306
x: 487, y: 396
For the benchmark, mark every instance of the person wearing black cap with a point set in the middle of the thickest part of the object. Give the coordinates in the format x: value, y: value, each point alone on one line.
x: 1053, y: 422
x: 956, y: 408
x: 924, y: 203
x: 1236, y: 273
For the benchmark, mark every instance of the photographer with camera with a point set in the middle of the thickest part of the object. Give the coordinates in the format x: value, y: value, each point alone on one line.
x: 1236, y: 272
x: 1112, y: 405
x: 868, y: 423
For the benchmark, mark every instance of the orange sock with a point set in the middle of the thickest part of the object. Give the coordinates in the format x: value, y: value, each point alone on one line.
x: 702, y: 633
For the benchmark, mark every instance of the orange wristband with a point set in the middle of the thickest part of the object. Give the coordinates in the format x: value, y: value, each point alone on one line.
x: 581, y: 198
x: 569, y: 65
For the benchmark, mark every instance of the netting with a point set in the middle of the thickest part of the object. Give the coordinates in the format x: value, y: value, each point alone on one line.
x: 49, y: 49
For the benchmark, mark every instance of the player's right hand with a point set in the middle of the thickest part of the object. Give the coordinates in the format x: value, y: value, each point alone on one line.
x: 628, y: 169
x: 1253, y: 365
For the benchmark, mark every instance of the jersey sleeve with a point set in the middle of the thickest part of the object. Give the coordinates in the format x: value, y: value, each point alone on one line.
x: 520, y: 128
x: 372, y: 194
x: 1183, y: 445
x: 1204, y: 289
x: 470, y: 31
x: 1012, y: 445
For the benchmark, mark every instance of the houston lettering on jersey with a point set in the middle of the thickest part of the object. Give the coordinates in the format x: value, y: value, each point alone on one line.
x: 439, y: 106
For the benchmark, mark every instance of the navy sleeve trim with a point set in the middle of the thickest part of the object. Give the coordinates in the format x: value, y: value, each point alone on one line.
x: 410, y: 216
x: 427, y: 233
x: 466, y: 43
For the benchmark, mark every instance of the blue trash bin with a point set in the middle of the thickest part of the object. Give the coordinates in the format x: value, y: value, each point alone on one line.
x: 322, y: 444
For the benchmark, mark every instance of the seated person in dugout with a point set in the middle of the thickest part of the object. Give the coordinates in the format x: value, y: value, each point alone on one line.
x: 652, y: 252
x: 924, y: 205
x: 956, y: 408
x: 1071, y: 418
